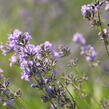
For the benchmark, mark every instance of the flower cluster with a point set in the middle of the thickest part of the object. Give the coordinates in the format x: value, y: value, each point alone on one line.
x: 93, y: 14
x: 89, y: 11
x: 59, y: 96
x: 89, y: 52
x: 16, y: 39
x: 32, y: 59
x: 38, y: 63
x: 86, y: 50
x: 7, y: 97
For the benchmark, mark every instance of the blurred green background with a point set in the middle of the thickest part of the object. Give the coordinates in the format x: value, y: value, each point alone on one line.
x: 56, y: 21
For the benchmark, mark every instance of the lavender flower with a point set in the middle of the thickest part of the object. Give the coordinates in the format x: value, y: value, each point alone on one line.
x: 30, y: 49
x: 25, y: 76
x: 13, y: 60
x: 7, y: 97
x: 3, y: 49
x: 54, y: 72
x: 56, y: 54
x: 1, y: 70
x: 37, y: 63
x: 58, y: 95
x: 15, y: 35
x: 87, y: 11
x: 16, y: 41
x: 86, y: 50
x: 89, y: 53
x: 107, y: 7
x: 32, y: 59
x: 47, y: 44
x: 78, y: 38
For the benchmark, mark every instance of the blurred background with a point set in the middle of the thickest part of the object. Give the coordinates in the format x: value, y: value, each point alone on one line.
x: 55, y: 21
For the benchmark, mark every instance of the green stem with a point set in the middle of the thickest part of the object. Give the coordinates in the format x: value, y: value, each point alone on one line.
x: 101, y: 30
x: 22, y: 102
x: 70, y: 94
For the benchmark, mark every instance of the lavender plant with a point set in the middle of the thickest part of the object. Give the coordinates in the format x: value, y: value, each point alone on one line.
x: 38, y: 63
x: 7, y: 97
x: 91, y: 12
x: 87, y: 51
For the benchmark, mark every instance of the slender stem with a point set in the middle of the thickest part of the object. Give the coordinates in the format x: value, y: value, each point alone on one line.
x: 105, y: 41
x: 70, y: 94
x: 22, y: 102
x: 101, y: 30
x: 77, y: 71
